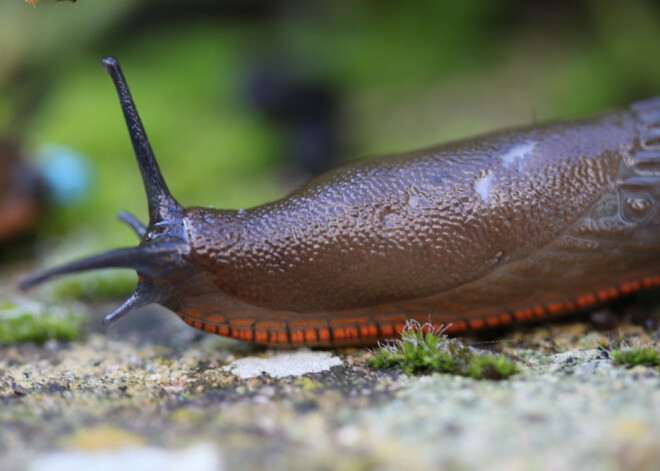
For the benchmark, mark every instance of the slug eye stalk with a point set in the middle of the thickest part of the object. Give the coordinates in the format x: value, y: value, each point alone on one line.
x: 159, y: 198
x: 164, y: 248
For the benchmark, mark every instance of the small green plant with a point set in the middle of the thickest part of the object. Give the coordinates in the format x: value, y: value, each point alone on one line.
x: 424, y: 349
x: 632, y: 356
x: 33, y: 322
x: 490, y: 367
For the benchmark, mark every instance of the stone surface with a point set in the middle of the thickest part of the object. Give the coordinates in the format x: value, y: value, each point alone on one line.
x: 152, y: 392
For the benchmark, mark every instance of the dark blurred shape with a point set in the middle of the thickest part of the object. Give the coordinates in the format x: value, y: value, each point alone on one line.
x: 146, y: 16
x: 21, y: 193
x: 305, y: 110
x: 606, y: 317
x: 642, y: 309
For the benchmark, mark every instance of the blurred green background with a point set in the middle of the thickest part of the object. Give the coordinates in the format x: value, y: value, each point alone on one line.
x: 397, y: 75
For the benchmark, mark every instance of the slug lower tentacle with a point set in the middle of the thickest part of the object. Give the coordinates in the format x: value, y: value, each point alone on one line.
x: 513, y: 226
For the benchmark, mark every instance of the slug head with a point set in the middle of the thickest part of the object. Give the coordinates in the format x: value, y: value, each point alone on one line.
x: 163, y: 255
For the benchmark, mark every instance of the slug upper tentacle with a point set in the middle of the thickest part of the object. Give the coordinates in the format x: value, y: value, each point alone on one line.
x: 160, y: 201
x: 513, y: 226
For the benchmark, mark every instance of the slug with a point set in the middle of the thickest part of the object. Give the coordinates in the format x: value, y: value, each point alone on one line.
x: 512, y: 226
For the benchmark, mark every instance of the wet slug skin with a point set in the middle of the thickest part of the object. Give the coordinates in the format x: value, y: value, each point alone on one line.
x: 513, y: 226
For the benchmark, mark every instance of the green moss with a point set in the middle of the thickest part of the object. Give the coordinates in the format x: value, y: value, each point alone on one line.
x: 633, y: 356
x: 423, y: 349
x: 489, y: 367
x: 95, y: 286
x: 31, y: 322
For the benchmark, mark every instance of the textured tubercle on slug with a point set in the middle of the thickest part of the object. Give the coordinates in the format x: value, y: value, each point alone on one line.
x: 163, y: 246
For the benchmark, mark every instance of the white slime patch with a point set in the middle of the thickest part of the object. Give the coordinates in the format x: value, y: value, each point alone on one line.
x: 517, y: 154
x: 483, y: 185
x: 201, y: 457
x: 284, y: 364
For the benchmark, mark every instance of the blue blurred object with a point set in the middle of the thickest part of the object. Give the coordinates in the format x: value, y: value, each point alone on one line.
x: 67, y: 174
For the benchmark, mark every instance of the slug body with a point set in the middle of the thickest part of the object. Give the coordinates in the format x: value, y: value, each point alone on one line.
x: 512, y: 226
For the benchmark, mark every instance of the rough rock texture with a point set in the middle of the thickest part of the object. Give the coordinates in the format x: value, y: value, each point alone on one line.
x: 153, y: 391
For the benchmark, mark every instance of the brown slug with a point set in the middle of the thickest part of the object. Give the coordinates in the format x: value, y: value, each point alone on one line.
x: 513, y: 226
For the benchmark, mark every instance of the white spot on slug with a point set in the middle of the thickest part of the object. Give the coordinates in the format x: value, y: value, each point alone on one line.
x: 517, y: 154
x: 483, y: 185
x: 413, y: 201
